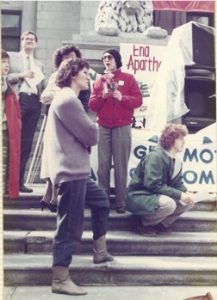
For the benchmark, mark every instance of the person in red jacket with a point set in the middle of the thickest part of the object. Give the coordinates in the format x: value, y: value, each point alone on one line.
x: 11, y: 132
x: 115, y: 96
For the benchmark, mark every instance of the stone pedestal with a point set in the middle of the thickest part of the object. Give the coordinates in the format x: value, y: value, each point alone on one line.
x: 93, y: 45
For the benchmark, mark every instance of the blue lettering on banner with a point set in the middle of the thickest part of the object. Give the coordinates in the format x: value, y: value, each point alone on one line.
x: 205, y: 159
x: 206, y: 155
x: 191, y: 177
x: 206, y: 177
x: 141, y: 151
x: 190, y: 156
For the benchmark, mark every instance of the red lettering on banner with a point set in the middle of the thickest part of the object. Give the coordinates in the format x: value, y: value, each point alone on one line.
x: 130, y: 63
x: 149, y: 64
x: 141, y: 51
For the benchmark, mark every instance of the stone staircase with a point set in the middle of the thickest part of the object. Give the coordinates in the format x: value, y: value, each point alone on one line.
x: 187, y: 257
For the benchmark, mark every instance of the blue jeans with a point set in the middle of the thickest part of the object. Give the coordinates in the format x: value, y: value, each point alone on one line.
x: 72, y: 197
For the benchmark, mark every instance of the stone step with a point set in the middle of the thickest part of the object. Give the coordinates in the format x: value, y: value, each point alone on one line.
x: 32, y: 201
x: 126, y: 270
x: 34, y: 219
x: 119, y: 243
x: 113, y: 292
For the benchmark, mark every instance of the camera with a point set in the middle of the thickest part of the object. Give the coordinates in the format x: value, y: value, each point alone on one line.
x: 112, y: 86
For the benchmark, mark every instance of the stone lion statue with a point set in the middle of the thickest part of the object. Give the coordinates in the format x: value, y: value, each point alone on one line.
x: 114, y: 17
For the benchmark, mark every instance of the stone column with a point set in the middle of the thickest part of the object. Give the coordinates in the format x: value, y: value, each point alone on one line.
x: 29, y: 17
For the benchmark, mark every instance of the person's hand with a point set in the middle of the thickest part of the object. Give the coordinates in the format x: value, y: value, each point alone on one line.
x: 117, y: 95
x: 187, y: 198
x: 27, y: 74
x: 105, y: 94
x: 47, y: 98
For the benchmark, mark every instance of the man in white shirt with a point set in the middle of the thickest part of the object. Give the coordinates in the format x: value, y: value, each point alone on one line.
x: 26, y: 77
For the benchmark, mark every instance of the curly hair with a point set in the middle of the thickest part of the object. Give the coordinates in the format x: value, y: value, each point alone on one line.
x: 5, y: 54
x: 170, y: 133
x: 61, y: 52
x: 69, y: 69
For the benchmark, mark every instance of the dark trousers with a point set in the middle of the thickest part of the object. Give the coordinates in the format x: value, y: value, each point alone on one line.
x: 72, y: 197
x: 30, y: 113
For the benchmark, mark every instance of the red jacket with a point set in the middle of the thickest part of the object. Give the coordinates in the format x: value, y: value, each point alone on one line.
x: 12, y: 111
x: 111, y: 112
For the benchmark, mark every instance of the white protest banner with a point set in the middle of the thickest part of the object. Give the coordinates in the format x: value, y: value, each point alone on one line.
x: 199, y: 158
x: 143, y: 61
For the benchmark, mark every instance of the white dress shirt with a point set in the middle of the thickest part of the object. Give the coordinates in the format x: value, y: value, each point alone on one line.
x: 25, y: 87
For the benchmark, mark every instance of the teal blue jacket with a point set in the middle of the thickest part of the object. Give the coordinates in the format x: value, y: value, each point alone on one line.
x: 152, y: 178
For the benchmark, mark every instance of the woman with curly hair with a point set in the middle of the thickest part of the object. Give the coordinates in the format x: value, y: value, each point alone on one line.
x: 71, y: 133
x: 62, y: 54
x: 156, y: 192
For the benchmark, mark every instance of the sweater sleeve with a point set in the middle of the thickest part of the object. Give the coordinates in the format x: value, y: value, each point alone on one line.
x: 153, y: 175
x: 49, y: 92
x: 75, y: 119
x: 134, y: 98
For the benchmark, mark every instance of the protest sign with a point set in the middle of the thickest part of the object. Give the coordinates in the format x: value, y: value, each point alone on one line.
x: 143, y: 61
x: 199, y: 158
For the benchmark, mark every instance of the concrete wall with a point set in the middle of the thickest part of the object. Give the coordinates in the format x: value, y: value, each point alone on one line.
x: 56, y: 22
x: 88, y: 13
x: 29, y: 16
x: 12, y: 5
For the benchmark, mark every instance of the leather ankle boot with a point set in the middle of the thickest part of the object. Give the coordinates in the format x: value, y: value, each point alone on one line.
x: 208, y: 296
x: 100, y: 253
x: 62, y: 284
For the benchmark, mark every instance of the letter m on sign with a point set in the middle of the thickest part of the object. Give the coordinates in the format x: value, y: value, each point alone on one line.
x: 189, y: 156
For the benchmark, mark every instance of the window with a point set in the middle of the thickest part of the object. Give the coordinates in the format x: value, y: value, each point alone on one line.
x: 203, y: 18
x: 11, y: 30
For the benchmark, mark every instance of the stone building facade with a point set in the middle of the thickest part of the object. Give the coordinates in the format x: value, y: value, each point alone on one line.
x: 53, y: 21
x: 58, y: 22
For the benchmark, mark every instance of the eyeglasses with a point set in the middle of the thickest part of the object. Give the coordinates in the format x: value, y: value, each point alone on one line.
x: 109, y: 57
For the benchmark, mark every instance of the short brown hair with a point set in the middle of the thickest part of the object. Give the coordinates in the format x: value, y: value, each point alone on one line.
x: 29, y: 32
x: 170, y: 133
x: 65, y: 50
x: 5, y: 54
x: 69, y: 69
